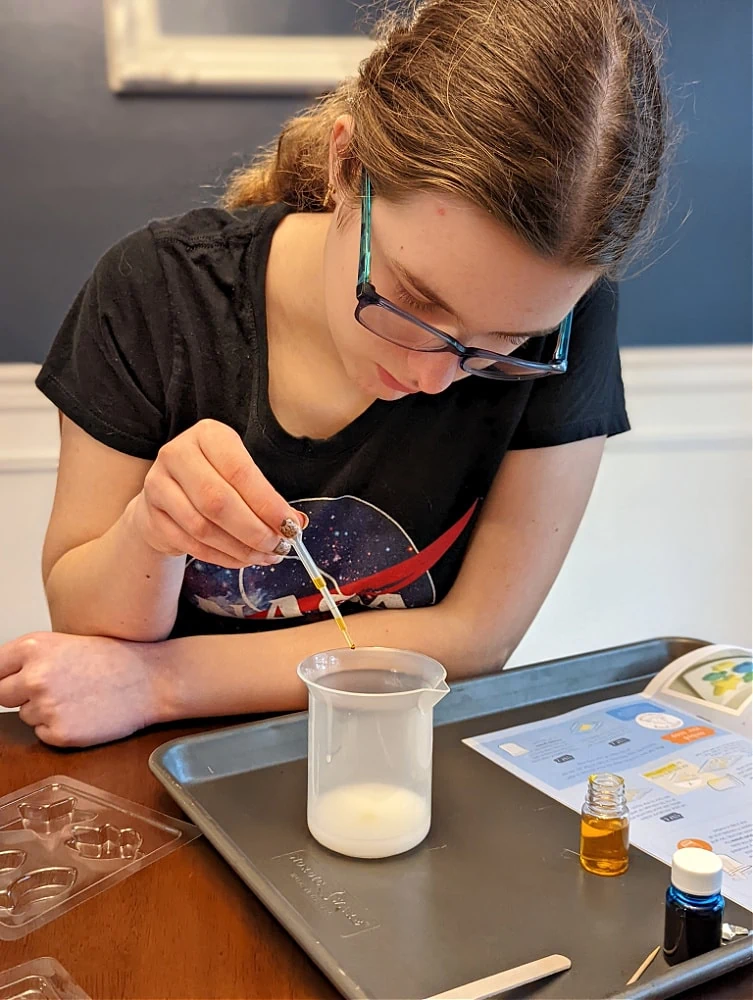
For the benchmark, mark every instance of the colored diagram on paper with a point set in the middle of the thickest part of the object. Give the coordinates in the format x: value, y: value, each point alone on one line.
x: 682, y: 776
x: 725, y: 682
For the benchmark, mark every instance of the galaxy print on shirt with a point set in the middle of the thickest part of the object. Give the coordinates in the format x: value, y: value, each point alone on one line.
x: 365, y: 556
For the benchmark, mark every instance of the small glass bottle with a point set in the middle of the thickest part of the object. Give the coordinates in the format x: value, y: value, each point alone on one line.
x: 605, y: 826
x: 694, y: 906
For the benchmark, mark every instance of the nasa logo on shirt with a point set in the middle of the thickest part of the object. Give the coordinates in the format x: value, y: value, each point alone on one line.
x: 365, y: 556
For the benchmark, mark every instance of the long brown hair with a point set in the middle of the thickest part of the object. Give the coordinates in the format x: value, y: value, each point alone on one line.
x: 548, y: 114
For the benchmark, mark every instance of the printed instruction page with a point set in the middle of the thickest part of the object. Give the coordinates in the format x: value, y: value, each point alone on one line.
x: 688, y: 782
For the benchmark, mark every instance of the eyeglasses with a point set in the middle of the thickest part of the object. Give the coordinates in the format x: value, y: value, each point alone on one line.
x: 388, y: 321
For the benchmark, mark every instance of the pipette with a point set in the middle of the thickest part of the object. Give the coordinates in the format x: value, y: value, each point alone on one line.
x: 295, y: 537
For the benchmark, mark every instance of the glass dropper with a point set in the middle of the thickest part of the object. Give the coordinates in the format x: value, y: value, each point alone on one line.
x: 295, y: 537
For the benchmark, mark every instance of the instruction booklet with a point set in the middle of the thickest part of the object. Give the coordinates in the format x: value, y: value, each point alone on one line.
x: 682, y: 746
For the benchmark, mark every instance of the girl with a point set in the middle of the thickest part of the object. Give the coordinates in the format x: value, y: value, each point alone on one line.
x: 399, y: 330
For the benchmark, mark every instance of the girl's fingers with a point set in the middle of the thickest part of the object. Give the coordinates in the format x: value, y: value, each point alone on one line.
x: 225, y: 450
x: 30, y: 714
x: 13, y: 691
x: 217, y: 503
x: 13, y: 655
x: 183, y: 541
x: 166, y: 495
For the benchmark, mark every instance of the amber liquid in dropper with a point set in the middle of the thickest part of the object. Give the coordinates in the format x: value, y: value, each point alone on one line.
x: 321, y: 586
x: 292, y: 531
x: 346, y: 634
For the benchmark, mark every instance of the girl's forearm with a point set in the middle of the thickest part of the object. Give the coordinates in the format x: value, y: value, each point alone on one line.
x: 115, y: 585
x: 256, y: 673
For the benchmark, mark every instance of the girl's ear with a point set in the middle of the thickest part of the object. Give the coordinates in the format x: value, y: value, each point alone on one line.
x: 339, y: 143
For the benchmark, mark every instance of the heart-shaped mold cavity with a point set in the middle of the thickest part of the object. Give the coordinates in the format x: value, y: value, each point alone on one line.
x: 11, y: 860
x: 47, y: 817
x: 43, y: 883
x: 105, y: 843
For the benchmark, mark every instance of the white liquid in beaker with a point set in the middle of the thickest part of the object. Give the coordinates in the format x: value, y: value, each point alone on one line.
x: 370, y: 820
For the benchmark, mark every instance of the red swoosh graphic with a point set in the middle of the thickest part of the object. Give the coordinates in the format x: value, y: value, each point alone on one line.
x: 394, y: 578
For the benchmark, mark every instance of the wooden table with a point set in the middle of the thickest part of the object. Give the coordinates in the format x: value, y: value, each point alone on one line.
x: 183, y: 927
x: 186, y: 926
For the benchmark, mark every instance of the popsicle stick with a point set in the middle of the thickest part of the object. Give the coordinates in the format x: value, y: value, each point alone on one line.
x: 521, y: 975
x: 643, y: 966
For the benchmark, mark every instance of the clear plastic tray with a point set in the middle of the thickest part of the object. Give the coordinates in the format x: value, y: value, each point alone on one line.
x: 62, y: 842
x: 42, y: 979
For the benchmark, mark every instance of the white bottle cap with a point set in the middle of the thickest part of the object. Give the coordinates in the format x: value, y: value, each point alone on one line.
x: 696, y: 871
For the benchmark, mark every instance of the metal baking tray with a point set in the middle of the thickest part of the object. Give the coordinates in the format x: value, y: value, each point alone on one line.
x: 496, y: 884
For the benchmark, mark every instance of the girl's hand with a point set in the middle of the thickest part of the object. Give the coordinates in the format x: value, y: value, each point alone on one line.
x: 204, y: 496
x: 79, y: 690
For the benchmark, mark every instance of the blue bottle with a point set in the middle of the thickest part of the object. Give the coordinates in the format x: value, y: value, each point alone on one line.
x: 694, y: 905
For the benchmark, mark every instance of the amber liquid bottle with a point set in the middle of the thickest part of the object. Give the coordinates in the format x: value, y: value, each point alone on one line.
x: 605, y: 826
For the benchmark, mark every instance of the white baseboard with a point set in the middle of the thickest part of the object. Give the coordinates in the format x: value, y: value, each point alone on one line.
x: 687, y: 395
x: 665, y: 547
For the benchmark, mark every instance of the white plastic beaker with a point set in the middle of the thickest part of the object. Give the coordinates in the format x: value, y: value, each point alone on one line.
x: 370, y: 748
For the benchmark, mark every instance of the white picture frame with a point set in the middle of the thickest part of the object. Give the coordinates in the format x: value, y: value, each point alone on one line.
x: 141, y: 59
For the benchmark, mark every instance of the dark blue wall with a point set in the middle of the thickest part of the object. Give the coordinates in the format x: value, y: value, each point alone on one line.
x: 81, y: 167
x: 699, y: 292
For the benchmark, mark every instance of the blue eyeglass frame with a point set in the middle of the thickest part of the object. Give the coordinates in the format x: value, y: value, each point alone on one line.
x: 367, y: 295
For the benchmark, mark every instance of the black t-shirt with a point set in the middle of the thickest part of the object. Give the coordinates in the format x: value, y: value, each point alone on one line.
x: 170, y: 329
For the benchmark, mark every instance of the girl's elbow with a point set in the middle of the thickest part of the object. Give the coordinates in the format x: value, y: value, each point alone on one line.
x: 479, y: 644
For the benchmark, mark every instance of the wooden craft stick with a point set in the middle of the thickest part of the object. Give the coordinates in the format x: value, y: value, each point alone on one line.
x: 643, y: 966
x: 521, y: 975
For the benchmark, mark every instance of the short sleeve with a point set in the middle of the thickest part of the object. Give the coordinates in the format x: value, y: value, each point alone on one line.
x: 110, y: 362
x: 589, y: 399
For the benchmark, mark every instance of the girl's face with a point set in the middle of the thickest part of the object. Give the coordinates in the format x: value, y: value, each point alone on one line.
x: 493, y: 290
